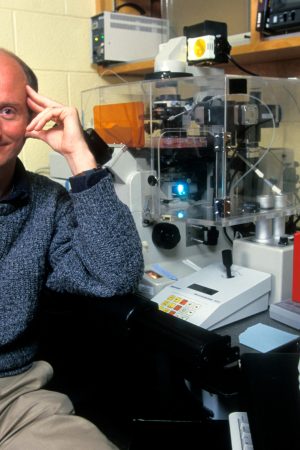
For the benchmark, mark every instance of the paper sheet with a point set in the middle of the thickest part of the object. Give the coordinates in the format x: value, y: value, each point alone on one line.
x: 264, y: 338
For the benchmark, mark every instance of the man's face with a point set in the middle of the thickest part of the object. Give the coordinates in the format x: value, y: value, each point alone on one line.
x: 14, y: 115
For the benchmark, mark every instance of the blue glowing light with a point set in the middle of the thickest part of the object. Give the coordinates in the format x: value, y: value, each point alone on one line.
x: 180, y: 189
x: 180, y: 215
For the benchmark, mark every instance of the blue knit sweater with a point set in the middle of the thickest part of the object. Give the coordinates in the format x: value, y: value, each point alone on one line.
x: 84, y: 242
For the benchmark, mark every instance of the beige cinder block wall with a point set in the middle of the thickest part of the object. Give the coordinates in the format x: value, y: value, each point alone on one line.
x: 53, y: 37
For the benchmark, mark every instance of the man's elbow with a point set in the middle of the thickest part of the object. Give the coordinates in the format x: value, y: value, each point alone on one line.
x: 128, y: 279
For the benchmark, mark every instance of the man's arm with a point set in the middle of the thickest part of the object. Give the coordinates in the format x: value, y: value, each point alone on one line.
x: 95, y: 248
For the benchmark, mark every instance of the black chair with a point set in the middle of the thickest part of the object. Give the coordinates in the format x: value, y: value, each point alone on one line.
x: 88, y: 349
x: 131, y: 386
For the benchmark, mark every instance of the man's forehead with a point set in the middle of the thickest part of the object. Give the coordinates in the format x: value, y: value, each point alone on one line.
x: 12, y: 89
x: 10, y: 68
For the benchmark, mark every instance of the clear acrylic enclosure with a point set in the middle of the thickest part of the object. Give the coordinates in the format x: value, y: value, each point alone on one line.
x: 217, y: 149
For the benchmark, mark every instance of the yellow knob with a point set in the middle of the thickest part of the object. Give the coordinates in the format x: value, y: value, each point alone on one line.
x: 199, y: 47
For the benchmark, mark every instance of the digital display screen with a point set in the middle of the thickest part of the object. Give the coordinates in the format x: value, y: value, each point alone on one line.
x: 203, y: 289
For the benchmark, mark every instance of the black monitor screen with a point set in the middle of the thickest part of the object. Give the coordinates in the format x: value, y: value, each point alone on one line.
x: 283, y: 5
x: 203, y: 289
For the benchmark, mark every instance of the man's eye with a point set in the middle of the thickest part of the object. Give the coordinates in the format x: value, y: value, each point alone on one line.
x: 7, y: 112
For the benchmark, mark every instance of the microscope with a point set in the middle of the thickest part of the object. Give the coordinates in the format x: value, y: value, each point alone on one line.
x: 197, y: 156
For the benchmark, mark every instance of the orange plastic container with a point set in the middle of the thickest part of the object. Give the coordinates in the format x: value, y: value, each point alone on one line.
x: 121, y: 123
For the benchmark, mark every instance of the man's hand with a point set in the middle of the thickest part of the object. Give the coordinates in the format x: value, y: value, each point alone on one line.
x: 65, y: 137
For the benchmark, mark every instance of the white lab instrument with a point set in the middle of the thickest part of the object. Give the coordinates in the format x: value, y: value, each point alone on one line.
x: 118, y: 37
x: 269, y: 257
x: 211, y: 300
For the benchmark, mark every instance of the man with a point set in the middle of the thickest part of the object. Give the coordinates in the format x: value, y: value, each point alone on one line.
x: 84, y: 242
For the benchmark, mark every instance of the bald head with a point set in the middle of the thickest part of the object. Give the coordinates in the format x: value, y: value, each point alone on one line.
x: 31, y: 78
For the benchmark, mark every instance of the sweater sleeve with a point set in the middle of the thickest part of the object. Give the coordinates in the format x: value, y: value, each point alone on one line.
x: 90, y: 178
x: 95, y: 248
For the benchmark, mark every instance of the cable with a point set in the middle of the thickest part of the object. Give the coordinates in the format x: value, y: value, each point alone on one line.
x: 227, y: 236
x: 112, y: 72
x: 261, y: 175
x: 231, y: 59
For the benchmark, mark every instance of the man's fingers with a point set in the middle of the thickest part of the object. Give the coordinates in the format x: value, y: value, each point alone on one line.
x: 39, y: 99
x: 45, y: 116
x: 34, y: 106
